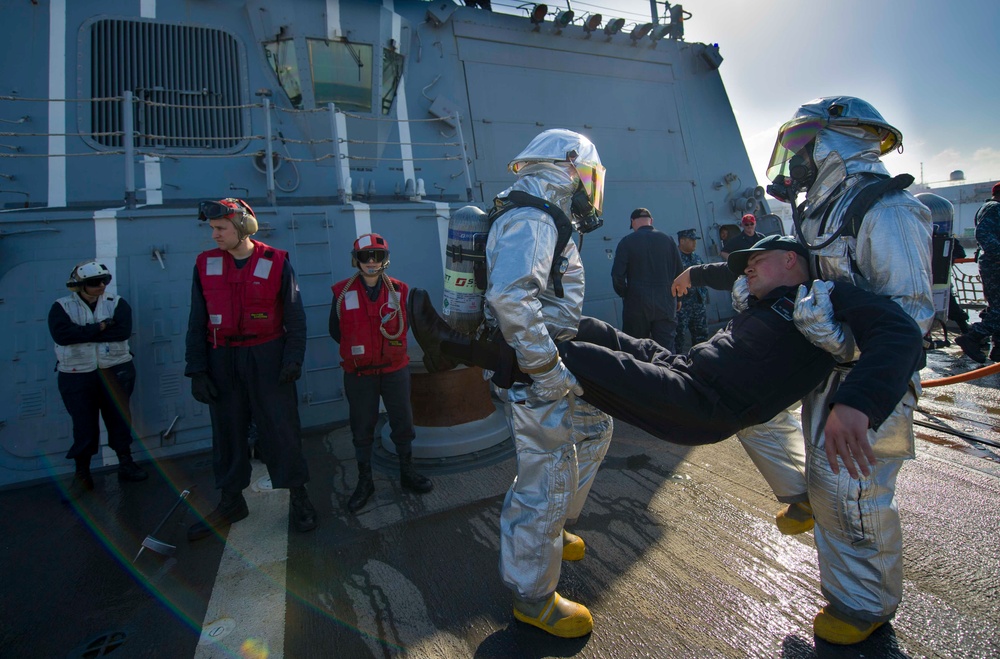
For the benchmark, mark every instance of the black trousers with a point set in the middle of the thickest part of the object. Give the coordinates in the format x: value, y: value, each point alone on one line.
x: 363, y: 393
x: 104, y: 393
x: 635, y: 380
x: 247, y: 379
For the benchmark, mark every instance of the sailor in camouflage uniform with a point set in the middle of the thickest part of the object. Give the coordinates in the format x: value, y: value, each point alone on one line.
x: 691, y: 317
x: 975, y: 341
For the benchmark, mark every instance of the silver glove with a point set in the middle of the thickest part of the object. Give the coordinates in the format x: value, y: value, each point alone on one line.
x: 813, y: 316
x: 555, y: 383
x: 741, y: 294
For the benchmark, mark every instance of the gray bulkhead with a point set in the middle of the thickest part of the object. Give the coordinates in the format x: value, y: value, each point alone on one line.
x: 200, y: 75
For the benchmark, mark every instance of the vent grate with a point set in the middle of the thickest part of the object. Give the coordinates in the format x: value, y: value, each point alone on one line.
x: 189, y: 77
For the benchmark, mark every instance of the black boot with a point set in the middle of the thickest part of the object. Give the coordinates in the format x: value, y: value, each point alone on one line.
x: 972, y: 344
x: 429, y: 329
x: 410, y: 478
x: 231, y: 509
x: 300, y: 509
x: 81, y: 484
x: 364, y: 490
x: 129, y: 471
x: 445, y: 347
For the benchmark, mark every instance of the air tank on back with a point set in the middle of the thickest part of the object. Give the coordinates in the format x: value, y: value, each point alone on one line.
x: 465, y: 270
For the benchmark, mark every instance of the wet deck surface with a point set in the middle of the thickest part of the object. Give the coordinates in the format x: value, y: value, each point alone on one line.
x: 683, y: 560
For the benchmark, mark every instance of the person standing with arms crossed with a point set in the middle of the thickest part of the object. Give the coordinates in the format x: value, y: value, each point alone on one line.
x: 646, y: 262
x: 368, y: 320
x: 91, y: 329
x: 246, y: 341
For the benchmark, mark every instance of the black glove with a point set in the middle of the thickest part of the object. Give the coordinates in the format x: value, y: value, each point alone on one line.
x: 290, y: 372
x: 203, y: 389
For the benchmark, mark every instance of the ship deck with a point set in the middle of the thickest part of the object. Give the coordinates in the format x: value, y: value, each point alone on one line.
x: 683, y: 559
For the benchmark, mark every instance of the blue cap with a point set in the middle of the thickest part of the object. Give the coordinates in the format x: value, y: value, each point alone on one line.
x: 737, y: 261
x: 688, y: 233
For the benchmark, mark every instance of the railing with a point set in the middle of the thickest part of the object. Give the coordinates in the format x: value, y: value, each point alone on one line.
x: 338, y: 140
x: 967, y: 286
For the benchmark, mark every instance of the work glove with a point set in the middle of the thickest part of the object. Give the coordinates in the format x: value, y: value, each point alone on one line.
x: 203, y: 389
x: 555, y: 383
x: 741, y: 294
x: 290, y: 372
x: 813, y: 316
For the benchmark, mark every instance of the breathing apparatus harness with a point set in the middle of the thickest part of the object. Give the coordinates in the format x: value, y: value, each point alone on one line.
x: 581, y: 208
x: 786, y: 189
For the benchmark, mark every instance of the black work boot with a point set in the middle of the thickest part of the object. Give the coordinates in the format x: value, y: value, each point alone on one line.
x: 81, y: 484
x: 430, y: 330
x: 364, y: 490
x: 129, y: 471
x: 410, y: 478
x: 300, y: 509
x: 231, y: 509
x: 972, y: 344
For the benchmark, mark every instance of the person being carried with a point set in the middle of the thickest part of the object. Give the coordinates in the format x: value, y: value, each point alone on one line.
x: 746, y: 373
x: 368, y: 320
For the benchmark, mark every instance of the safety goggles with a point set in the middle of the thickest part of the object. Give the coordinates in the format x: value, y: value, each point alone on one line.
x: 215, y: 210
x: 95, y: 282
x: 366, y: 255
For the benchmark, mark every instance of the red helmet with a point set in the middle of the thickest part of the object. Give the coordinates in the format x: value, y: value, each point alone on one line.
x: 368, y: 245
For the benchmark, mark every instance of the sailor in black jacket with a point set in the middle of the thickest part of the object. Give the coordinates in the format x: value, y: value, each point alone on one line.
x: 754, y: 368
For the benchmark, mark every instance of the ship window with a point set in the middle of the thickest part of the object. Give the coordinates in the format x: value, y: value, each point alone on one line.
x: 341, y: 73
x: 392, y: 73
x: 281, y: 56
x: 186, y: 83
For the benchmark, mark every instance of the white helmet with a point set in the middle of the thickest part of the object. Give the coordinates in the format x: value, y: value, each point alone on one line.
x: 88, y: 272
x: 561, y: 145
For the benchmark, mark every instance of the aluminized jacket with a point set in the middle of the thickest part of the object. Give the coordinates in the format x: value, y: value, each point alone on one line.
x: 858, y: 533
x: 560, y: 444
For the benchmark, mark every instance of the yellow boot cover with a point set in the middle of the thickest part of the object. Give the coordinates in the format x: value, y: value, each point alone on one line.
x: 573, y: 547
x: 556, y: 615
x: 796, y: 518
x: 838, y: 631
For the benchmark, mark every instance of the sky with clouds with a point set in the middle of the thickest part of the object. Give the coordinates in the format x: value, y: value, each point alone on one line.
x: 931, y: 68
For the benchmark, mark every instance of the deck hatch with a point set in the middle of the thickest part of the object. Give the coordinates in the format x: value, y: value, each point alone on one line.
x: 185, y: 79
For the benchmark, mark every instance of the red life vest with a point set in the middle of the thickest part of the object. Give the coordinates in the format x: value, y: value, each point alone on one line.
x: 244, y: 304
x: 363, y: 348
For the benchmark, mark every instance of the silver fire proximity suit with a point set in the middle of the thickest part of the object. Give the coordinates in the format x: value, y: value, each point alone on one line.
x: 858, y: 533
x: 560, y: 443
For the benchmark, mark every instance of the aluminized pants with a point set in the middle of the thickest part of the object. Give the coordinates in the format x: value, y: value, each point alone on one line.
x: 858, y: 533
x: 778, y: 451
x: 560, y: 445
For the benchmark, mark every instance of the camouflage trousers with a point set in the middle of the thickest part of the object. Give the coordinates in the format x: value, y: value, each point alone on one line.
x: 692, y: 326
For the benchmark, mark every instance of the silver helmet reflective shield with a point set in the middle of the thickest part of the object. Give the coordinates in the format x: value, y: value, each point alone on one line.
x: 558, y: 145
x: 847, y: 114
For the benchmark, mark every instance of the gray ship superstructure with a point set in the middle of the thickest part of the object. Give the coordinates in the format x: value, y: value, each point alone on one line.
x: 332, y: 119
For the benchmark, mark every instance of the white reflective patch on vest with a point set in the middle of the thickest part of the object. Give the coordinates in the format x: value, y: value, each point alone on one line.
x: 357, y: 350
x: 263, y: 268
x: 351, y: 300
x: 215, y: 319
x: 213, y: 265
x: 392, y: 304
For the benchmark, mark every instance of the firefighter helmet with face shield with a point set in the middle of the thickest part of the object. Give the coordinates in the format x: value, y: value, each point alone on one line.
x: 559, y: 145
x: 235, y: 210
x: 794, y: 153
x: 370, y: 246
x: 92, y: 273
